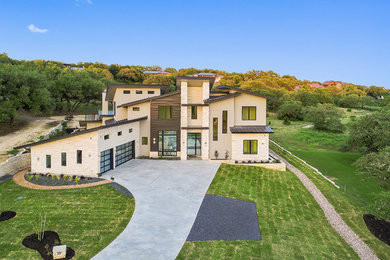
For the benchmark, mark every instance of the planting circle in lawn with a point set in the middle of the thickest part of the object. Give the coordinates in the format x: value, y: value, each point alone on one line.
x: 380, y: 228
x: 6, y: 215
x: 45, y: 246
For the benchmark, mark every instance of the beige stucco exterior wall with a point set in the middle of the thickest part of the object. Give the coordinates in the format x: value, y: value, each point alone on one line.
x: 121, y: 98
x: 195, y: 94
x: 121, y: 113
x: 224, y: 143
x: 183, y: 145
x: 115, y: 140
x: 104, y: 103
x: 144, y: 110
x: 93, y: 125
x: 262, y: 147
x: 88, y: 143
x: 193, y: 122
x: 250, y: 100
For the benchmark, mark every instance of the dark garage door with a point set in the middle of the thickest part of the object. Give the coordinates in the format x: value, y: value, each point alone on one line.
x: 124, y: 153
x: 106, y: 160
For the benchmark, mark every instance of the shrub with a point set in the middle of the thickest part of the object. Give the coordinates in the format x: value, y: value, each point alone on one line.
x: 291, y: 110
x: 349, y: 110
x: 37, y: 177
x: 53, y: 176
x: 77, y: 180
x: 349, y: 101
x: 286, y: 122
x: 112, y: 178
x: 325, y: 117
x: 29, y: 177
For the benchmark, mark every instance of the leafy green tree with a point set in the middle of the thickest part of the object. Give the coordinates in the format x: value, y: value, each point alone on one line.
x: 171, y: 70
x: 375, y: 91
x: 366, y: 101
x: 291, y: 110
x: 370, y: 133
x: 349, y: 101
x: 133, y: 74
x: 160, y: 80
x: 377, y: 165
x: 305, y: 97
x: 325, y: 117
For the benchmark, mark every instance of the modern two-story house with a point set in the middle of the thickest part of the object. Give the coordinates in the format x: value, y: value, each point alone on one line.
x: 196, y: 121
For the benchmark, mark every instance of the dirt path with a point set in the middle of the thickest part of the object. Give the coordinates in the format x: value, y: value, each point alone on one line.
x: 332, y: 216
x: 35, y: 127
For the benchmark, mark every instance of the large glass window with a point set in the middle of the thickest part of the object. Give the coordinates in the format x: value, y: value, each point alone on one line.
x: 250, y: 146
x: 215, y: 129
x: 63, y: 159
x: 144, y: 140
x: 164, y: 112
x: 224, y: 121
x: 194, y: 112
x: 48, y: 161
x: 167, y: 143
x: 248, y: 113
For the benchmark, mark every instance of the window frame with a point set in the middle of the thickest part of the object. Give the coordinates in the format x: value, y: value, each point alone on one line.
x: 138, y: 92
x: 144, y: 140
x: 194, y: 112
x: 215, y: 129
x: 130, y: 130
x: 136, y: 109
x: 106, y: 137
x: 63, y: 159
x: 224, y: 121
x: 126, y: 92
x: 253, y: 146
x: 151, y: 92
x: 163, y: 111
x: 247, y: 115
x: 79, y: 156
x: 48, y: 161
x: 119, y: 133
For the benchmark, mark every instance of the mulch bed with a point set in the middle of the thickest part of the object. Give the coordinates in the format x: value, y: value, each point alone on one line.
x: 380, y: 228
x: 221, y: 218
x: 47, y: 180
x: 45, y: 247
x: 6, y: 215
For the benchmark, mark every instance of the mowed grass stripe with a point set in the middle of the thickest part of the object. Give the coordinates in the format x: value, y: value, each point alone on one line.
x: 291, y: 222
x: 86, y: 219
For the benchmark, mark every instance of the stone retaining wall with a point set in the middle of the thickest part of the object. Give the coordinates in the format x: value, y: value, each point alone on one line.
x: 15, y: 164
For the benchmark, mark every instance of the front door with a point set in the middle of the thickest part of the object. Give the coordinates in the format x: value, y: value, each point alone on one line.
x: 194, y: 145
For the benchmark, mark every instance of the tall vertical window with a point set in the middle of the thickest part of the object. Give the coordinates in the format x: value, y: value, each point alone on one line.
x: 250, y: 146
x: 224, y: 121
x: 63, y: 159
x: 79, y: 156
x: 164, y: 112
x: 48, y: 161
x: 248, y: 113
x: 194, y: 112
x: 144, y: 140
x: 215, y: 129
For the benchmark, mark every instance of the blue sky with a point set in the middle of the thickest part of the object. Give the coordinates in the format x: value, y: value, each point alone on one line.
x: 315, y: 40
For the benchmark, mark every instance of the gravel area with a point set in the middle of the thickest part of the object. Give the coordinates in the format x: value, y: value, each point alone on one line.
x: 49, y: 181
x: 221, y: 218
x: 332, y: 216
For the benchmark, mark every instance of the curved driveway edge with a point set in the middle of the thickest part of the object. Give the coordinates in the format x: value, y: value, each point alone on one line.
x: 168, y: 195
x: 332, y: 216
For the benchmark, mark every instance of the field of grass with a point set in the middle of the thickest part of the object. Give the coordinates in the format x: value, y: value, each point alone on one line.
x: 346, y: 205
x: 292, y: 224
x: 86, y: 220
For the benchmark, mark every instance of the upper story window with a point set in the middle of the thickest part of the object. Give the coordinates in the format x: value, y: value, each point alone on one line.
x: 194, y: 112
x: 164, y: 112
x: 130, y: 130
x: 248, y: 113
x: 224, y: 121
x: 119, y: 133
x: 138, y: 92
x: 150, y: 91
x: 106, y: 137
x: 135, y: 108
x: 126, y: 91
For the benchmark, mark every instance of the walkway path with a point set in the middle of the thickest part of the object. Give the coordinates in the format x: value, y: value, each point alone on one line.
x: 20, y: 180
x: 333, y: 217
x: 168, y: 195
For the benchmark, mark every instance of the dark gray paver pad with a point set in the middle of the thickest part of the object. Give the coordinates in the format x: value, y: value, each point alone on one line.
x: 4, y: 178
x: 120, y: 188
x: 221, y: 218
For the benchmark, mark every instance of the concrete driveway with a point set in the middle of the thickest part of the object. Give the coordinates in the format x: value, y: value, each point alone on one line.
x: 168, y: 195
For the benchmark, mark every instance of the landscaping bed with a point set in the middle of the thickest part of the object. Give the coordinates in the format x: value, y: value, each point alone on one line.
x: 45, y: 246
x: 59, y: 180
x: 6, y: 215
x: 380, y: 228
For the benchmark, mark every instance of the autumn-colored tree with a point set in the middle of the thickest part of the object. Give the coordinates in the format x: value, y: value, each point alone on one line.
x: 133, y: 74
x: 160, y: 80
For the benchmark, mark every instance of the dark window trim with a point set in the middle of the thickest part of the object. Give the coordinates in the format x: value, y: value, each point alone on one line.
x: 48, y: 161
x: 224, y: 121
x: 126, y: 92
x: 130, y: 130
x: 251, y: 145
x: 164, y: 113
x: 79, y: 156
x: 136, y: 109
x: 165, y: 152
x: 106, y: 137
x: 138, y: 92
x: 248, y: 113
x: 150, y: 91
x: 63, y: 159
x: 215, y: 129
x: 119, y: 133
x: 194, y: 112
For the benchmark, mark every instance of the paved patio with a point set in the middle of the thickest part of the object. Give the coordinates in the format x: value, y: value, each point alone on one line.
x: 168, y: 196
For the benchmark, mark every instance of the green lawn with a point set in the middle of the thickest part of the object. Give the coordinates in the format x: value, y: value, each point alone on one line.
x: 86, y: 219
x: 345, y: 203
x: 292, y: 224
